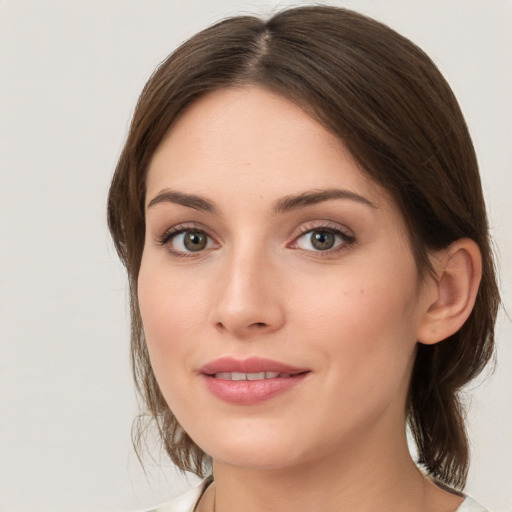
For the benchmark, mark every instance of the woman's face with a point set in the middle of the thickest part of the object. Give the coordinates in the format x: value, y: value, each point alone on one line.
x: 279, y: 295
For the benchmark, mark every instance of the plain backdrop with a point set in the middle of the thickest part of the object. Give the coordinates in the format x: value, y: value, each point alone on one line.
x: 70, y: 74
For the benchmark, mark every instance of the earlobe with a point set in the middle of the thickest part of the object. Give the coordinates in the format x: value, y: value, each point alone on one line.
x: 459, y: 270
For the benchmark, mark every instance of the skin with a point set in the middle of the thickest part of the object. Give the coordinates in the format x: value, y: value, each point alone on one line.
x: 352, y: 315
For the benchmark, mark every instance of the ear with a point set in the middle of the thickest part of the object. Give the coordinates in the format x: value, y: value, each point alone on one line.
x: 452, y: 293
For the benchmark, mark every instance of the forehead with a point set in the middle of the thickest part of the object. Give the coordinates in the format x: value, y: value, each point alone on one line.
x: 257, y: 142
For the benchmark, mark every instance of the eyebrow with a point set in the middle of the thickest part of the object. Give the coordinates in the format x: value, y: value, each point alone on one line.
x: 189, y: 200
x: 285, y: 204
x: 296, y: 201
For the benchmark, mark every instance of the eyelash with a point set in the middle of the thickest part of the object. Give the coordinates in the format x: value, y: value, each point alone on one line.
x: 346, y: 240
x: 173, y: 232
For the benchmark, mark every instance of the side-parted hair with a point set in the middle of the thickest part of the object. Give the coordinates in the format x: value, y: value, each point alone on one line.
x: 388, y: 103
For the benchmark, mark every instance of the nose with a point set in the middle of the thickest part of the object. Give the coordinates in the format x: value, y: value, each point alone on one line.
x: 248, y: 299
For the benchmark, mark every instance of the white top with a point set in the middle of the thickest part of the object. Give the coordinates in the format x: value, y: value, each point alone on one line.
x: 187, y: 502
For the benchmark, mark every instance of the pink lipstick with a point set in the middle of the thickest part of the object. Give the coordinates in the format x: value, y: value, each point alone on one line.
x: 250, y: 381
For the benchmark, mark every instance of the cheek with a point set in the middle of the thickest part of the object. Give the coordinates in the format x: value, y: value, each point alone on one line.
x: 171, y: 311
x: 365, y: 320
x: 171, y: 315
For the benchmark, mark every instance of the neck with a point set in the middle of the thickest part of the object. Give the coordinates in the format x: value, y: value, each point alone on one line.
x: 373, y: 479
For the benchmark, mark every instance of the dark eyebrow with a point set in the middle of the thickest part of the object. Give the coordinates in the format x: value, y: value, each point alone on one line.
x: 293, y: 202
x: 188, y: 200
x: 285, y: 204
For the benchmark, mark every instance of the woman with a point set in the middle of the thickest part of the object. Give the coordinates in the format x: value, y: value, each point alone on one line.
x: 299, y: 210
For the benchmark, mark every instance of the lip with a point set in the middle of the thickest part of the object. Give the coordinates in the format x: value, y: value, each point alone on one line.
x: 249, y: 392
x: 251, y: 365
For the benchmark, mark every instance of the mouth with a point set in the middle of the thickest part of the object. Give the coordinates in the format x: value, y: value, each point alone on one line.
x: 253, y: 368
x: 250, y: 381
x: 250, y: 376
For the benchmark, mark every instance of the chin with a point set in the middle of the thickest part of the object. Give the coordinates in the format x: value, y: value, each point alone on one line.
x: 257, y: 452
x: 250, y: 460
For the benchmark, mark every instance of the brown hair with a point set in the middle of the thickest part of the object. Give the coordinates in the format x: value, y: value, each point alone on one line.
x: 387, y: 101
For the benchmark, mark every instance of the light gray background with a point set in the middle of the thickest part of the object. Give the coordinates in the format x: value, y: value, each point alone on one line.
x: 70, y: 73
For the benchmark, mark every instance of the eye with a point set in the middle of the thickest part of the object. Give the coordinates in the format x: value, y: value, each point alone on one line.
x: 185, y: 241
x: 323, y: 239
x: 192, y: 241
